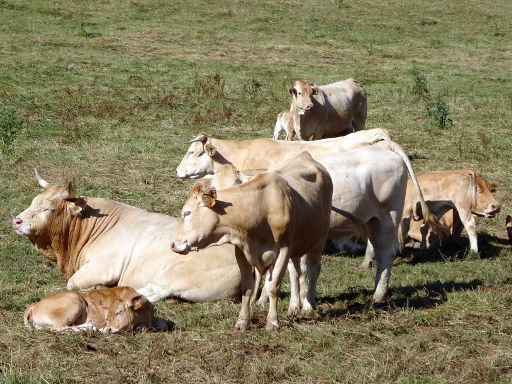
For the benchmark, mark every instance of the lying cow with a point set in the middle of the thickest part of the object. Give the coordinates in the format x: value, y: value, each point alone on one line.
x: 508, y: 223
x: 328, y: 110
x: 284, y: 122
x: 372, y: 166
x: 455, y: 197
x: 110, y: 310
x: 273, y: 217
x: 98, y: 243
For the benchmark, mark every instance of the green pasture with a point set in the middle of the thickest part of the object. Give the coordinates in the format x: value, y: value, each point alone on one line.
x: 106, y: 93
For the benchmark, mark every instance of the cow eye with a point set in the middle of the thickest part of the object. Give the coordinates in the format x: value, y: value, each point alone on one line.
x: 186, y: 213
x: 51, y: 209
x: 119, y: 313
x: 299, y: 93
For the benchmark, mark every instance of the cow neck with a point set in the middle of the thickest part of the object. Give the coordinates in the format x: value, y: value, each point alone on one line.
x: 70, y: 234
x: 245, y: 154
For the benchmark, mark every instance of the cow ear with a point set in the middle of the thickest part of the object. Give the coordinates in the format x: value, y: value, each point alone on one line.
x: 315, y: 89
x: 138, y: 302
x: 292, y: 91
x: 209, y: 196
x: 210, y: 150
x: 493, y: 186
x: 78, y: 206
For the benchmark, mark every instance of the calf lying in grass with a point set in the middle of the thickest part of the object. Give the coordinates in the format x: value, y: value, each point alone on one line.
x: 109, y: 310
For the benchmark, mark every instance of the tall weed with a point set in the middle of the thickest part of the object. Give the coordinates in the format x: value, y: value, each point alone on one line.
x: 10, y: 125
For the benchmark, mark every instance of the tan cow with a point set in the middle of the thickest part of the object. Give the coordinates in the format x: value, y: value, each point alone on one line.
x: 206, y: 155
x: 454, y: 196
x: 110, y: 310
x: 273, y: 217
x: 328, y: 110
x: 284, y: 122
x: 99, y: 243
x: 508, y: 224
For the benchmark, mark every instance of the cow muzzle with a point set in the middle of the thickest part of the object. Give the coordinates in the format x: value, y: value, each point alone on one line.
x: 180, y: 247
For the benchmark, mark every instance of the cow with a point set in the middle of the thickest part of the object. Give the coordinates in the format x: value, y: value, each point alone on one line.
x: 328, y: 110
x: 274, y: 217
x: 284, y: 122
x: 99, y: 243
x: 110, y: 310
x: 456, y: 197
x: 206, y: 153
x: 508, y: 225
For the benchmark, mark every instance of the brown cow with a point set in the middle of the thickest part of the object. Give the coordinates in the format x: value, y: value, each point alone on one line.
x: 328, y: 110
x: 455, y: 197
x: 273, y: 217
x: 110, y: 310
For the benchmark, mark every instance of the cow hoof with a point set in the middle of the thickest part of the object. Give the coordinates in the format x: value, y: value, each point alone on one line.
x: 240, y: 326
x: 293, y: 311
x: 307, y: 308
x: 271, y: 327
x: 364, y: 265
x: 379, y: 298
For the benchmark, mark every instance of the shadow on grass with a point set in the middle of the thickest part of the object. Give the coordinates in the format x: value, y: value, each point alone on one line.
x: 489, y: 248
x: 413, y: 296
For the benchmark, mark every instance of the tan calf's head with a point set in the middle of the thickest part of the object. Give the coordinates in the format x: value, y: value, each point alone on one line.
x: 198, y: 220
x: 301, y: 95
x: 485, y: 204
x: 130, y: 313
x: 48, y: 211
x: 198, y: 161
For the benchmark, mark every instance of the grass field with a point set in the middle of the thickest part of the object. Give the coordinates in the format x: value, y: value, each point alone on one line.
x: 106, y: 93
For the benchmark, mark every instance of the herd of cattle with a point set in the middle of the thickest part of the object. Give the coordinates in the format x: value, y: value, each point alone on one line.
x: 261, y: 206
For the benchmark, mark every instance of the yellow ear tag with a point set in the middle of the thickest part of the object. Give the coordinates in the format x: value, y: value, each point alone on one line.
x: 137, y: 306
x: 212, y: 202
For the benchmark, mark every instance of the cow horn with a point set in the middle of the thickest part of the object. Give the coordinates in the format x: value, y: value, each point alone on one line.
x: 201, y: 137
x: 41, y: 181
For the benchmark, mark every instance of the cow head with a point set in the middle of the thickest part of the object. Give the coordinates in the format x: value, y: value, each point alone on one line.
x: 198, y: 220
x: 484, y: 204
x: 49, y: 209
x: 128, y: 314
x: 302, y: 93
x: 198, y: 161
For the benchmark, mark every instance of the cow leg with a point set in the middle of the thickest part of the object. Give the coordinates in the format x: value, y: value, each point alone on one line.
x: 257, y: 283
x: 263, y: 300
x: 383, y: 236
x: 93, y: 275
x: 310, y: 265
x: 274, y: 286
x: 469, y: 222
x: 246, y: 270
x: 369, y: 255
x: 295, y: 272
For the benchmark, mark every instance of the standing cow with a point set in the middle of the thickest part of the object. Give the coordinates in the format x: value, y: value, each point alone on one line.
x: 271, y: 218
x: 98, y: 243
x: 327, y: 110
x: 284, y: 122
x: 455, y: 197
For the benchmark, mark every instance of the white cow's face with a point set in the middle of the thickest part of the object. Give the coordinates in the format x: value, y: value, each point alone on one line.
x: 196, y: 229
x: 302, y: 93
x: 197, y: 162
x: 48, y: 212
x: 486, y: 205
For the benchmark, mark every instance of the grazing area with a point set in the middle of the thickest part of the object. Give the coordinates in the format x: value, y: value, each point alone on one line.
x: 106, y: 94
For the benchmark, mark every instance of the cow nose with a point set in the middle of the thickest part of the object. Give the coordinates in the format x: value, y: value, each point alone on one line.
x: 16, y: 222
x: 173, y: 246
x: 108, y: 330
x: 496, y: 207
x: 309, y: 107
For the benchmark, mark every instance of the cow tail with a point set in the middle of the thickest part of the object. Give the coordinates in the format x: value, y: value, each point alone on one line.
x: 430, y: 219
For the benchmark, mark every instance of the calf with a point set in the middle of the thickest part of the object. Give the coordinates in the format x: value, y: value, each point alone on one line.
x: 455, y: 197
x: 284, y: 122
x: 273, y: 217
x: 109, y: 310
